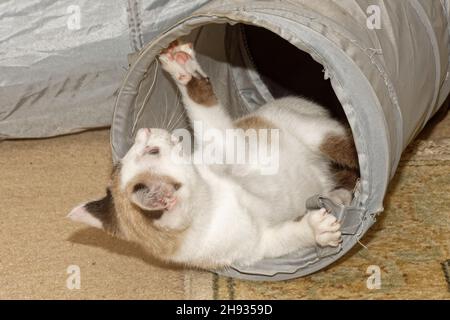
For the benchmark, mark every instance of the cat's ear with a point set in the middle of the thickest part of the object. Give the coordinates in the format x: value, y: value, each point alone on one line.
x: 98, y: 213
x: 153, y: 195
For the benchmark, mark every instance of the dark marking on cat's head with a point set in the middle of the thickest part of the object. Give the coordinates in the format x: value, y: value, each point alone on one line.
x: 103, y: 209
x: 99, y: 213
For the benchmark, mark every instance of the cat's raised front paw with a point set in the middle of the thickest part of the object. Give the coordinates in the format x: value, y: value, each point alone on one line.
x: 180, y: 62
x: 325, y: 228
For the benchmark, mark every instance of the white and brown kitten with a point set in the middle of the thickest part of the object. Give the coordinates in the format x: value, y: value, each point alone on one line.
x: 213, y: 216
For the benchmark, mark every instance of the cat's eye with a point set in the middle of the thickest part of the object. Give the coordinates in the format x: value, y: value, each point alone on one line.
x: 152, y: 150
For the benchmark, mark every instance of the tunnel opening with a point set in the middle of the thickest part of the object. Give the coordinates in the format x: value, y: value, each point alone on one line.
x: 287, y: 70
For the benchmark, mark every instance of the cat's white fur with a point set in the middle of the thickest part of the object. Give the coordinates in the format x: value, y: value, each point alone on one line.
x: 229, y: 219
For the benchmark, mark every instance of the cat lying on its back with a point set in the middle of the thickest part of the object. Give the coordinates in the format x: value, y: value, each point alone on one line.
x: 212, y: 216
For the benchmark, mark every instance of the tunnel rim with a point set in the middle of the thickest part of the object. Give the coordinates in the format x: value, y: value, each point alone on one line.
x: 371, y: 205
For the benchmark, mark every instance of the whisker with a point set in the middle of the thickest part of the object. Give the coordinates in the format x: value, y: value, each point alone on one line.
x: 175, y: 123
x: 165, y: 112
x: 179, y: 119
x: 181, y: 115
x: 150, y: 90
x: 172, y: 115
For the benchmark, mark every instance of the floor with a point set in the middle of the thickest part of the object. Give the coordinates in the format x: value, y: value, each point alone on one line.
x: 44, y: 255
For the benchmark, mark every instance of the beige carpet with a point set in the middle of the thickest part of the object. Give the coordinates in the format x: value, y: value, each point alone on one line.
x: 41, y: 180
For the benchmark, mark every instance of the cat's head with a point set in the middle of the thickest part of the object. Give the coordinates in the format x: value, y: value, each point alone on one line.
x: 148, y: 191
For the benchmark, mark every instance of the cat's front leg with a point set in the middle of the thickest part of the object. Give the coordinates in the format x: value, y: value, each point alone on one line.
x: 204, y: 108
x: 179, y: 61
x: 316, y: 228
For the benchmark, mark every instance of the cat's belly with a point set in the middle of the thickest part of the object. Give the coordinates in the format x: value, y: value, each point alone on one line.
x: 300, y: 176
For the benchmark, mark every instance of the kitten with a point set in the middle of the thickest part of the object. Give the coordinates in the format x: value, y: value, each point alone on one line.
x: 212, y: 216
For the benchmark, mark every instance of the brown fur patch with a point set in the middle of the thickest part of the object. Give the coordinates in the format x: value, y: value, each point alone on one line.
x: 201, y: 91
x: 257, y: 123
x: 344, y: 177
x: 135, y: 224
x: 341, y: 151
x: 254, y: 122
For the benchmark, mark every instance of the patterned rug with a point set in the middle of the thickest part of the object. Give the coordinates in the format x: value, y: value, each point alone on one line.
x: 41, y: 180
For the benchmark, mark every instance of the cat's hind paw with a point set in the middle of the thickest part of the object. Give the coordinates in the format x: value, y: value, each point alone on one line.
x: 325, y: 228
x: 179, y: 61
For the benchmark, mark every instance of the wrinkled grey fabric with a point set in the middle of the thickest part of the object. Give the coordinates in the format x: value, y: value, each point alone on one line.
x: 56, y: 78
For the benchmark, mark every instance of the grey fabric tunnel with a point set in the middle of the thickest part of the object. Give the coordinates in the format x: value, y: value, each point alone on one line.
x: 389, y: 79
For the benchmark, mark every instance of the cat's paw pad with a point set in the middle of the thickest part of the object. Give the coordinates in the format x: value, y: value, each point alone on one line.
x: 180, y: 62
x: 325, y: 228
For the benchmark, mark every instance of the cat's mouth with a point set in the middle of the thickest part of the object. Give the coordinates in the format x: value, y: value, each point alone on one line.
x: 152, y: 214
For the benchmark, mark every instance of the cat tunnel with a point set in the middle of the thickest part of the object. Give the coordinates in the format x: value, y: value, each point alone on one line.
x: 382, y: 65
